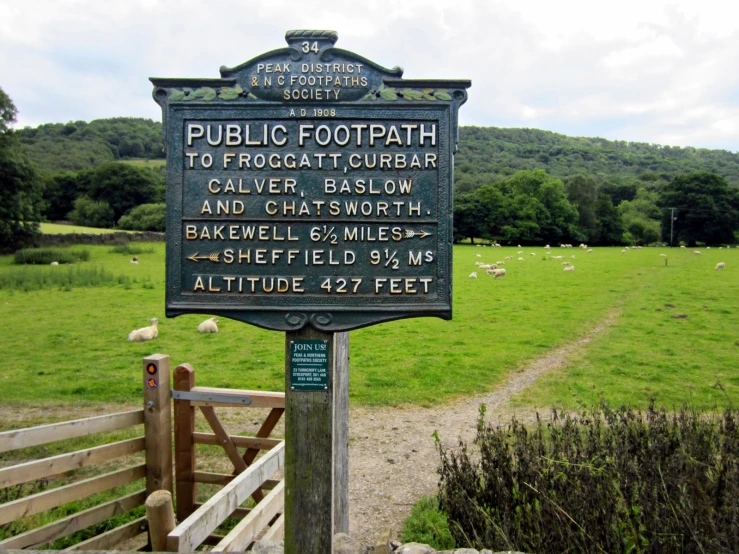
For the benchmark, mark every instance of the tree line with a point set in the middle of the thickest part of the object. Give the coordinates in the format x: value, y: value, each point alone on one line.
x: 511, y: 185
x: 534, y: 208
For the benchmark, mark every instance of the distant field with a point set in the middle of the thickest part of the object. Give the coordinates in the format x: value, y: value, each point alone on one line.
x: 71, y: 345
x: 147, y: 163
x: 57, y: 229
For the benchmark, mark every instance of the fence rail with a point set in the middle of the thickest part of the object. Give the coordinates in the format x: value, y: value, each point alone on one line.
x: 157, y: 470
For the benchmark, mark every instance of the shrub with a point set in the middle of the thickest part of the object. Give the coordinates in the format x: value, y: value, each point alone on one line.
x: 45, y: 256
x: 146, y: 217
x: 89, y: 213
x: 427, y: 524
x: 604, y: 481
x: 130, y: 250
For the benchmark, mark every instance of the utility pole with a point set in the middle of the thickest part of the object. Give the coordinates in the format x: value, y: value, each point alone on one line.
x: 672, y: 223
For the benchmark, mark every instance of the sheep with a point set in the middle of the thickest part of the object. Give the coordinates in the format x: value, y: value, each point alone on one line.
x: 208, y: 326
x: 708, y: 247
x: 565, y: 263
x: 498, y: 273
x: 499, y: 263
x: 572, y: 257
x: 478, y: 255
x: 520, y: 259
x: 145, y: 333
x: 491, y: 271
x: 54, y: 263
x: 473, y: 275
x: 663, y: 255
x: 135, y: 260
x: 519, y: 252
x: 682, y: 246
x: 697, y: 252
x: 590, y: 251
x: 623, y: 251
x: 547, y: 247
x: 533, y: 253
x: 720, y: 265
x: 509, y: 257
x: 570, y: 268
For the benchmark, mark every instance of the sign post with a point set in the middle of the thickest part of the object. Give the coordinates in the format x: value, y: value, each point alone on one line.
x: 309, y: 190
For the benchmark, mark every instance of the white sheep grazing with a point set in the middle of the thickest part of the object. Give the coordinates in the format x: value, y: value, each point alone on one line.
x: 509, y: 257
x: 565, y: 263
x: 145, y: 333
x: 572, y: 257
x: 473, y: 275
x: 570, y: 268
x: 478, y: 255
x: 498, y: 273
x: 697, y: 252
x: 533, y: 253
x: 547, y: 247
x: 54, y: 263
x: 720, y: 265
x: 682, y: 246
x: 663, y: 255
x: 519, y: 252
x: 135, y: 260
x: 590, y: 250
x: 623, y: 251
x: 208, y: 326
x: 520, y: 259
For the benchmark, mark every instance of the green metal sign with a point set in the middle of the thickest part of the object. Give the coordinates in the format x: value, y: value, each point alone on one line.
x: 309, y: 365
x: 310, y: 186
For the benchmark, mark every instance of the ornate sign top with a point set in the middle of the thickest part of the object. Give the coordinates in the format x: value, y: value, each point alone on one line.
x: 309, y: 185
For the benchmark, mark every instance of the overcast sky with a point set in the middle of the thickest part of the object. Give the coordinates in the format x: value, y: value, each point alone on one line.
x: 664, y: 72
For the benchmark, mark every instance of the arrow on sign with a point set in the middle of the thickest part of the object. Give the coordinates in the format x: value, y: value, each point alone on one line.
x: 212, y: 257
x: 410, y: 233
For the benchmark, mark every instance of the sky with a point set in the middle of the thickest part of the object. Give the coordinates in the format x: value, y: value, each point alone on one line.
x: 663, y: 72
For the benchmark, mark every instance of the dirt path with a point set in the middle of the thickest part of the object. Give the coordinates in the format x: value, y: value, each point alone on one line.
x: 392, y: 459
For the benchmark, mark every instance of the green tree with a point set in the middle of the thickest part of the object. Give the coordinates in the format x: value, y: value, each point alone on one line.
x: 469, y: 217
x: 582, y: 191
x: 641, y: 217
x: 89, y: 213
x: 146, y: 217
x: 21, y: 188
x: 610, y: 227
x: 62, y: 189
x: 707, y: 209
x: 124, y: 186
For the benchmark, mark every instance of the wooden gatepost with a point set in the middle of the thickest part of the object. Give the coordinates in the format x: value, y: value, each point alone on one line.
x: 309, y: 191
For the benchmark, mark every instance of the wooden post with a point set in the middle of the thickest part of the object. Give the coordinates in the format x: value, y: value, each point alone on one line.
x: 160, y: 515
x: 157, y: 423
x: 184, y: 427
x: 317, y: 452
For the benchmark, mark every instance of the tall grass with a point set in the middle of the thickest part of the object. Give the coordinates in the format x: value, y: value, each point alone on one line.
x: 130, y: 250
x: 44, y: 256
x: 28, y: 279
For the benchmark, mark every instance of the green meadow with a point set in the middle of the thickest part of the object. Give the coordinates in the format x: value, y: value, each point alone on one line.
x: 68, y: 343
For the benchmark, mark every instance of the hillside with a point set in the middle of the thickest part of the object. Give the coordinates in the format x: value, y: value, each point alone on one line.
x: 79, y: 145
x: 486, y: 154
x: 490, y: 154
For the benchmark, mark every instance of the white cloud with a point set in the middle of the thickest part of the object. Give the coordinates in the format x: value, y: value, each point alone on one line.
x: 656, y: 71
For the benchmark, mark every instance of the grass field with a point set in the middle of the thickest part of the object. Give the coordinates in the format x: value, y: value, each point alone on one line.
x: 70, y: 346
x: 142, y: 162
x: 57, y: 229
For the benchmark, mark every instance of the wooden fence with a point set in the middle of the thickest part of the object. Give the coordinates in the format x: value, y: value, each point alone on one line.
x: 249, y: 478
x: 156, y: 442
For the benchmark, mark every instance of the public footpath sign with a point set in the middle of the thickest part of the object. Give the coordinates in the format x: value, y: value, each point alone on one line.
x: 309, y: 190
x: 310, y: 186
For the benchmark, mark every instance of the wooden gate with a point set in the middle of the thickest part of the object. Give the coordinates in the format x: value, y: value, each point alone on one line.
x: 249, y: 478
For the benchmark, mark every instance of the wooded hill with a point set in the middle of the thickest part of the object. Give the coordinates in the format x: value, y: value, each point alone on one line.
x: 491, y: 154
x: 486, y: 154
